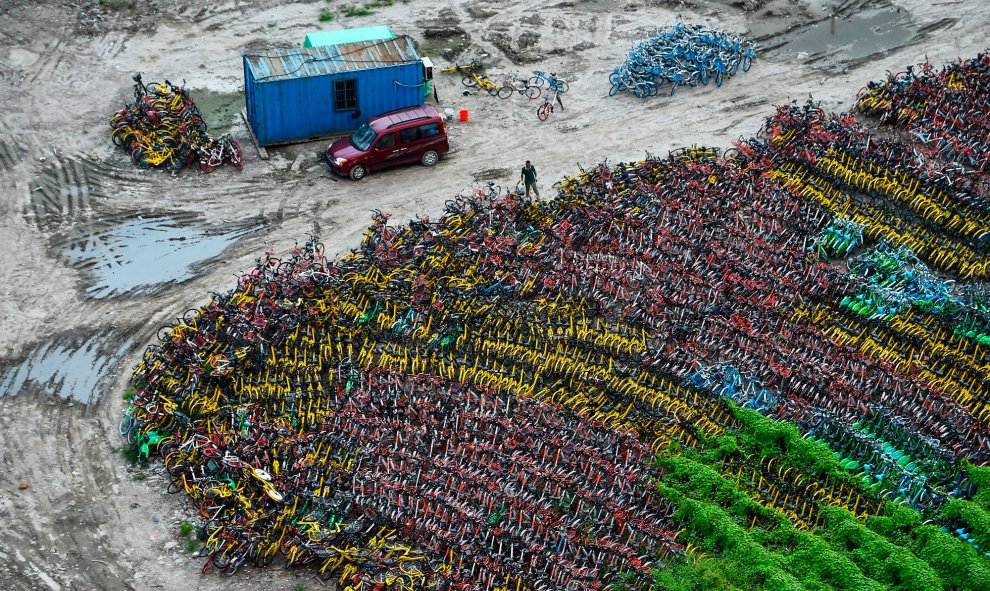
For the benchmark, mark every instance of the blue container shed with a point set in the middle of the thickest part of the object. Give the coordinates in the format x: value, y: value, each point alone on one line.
x: 313, y: 92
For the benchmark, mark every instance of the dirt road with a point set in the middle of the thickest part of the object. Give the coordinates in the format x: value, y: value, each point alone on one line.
x: 100, y: 254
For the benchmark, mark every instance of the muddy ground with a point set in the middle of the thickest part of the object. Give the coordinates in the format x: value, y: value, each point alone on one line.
x: 100, y: 254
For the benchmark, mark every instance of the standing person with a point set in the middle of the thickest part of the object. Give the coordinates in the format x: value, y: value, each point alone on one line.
x: 528, y: 177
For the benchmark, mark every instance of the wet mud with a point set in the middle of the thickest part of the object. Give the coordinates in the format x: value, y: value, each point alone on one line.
x: 70, y: 366
x: 839, y: 40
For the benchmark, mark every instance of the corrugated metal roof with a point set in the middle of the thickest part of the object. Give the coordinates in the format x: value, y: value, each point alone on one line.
x: 306, y: 62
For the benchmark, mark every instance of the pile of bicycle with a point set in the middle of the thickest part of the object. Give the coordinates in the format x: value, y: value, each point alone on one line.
x: 683, y: 54
x: 162, y: 128
x: 549, y: 86
x: 945, y: 110
x: 766, y: 358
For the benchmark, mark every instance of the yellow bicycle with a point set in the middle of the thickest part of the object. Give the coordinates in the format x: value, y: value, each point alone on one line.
x: 472, y: 79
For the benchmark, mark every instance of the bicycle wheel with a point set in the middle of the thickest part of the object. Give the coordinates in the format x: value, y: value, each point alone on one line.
x: 505, y: 92
x: 747, y: 62
x: 140, y: 158
x: 718, y: 78
x: 156, y: 88
x: 126, y: 427
x: 236, y: 155
x: 537, y: 81
x: 543, y: 112
x: 173, y: 163
x: 174, y: 487
x: 469, y: 81
x: 532, y: 92
x: 119, y: 135
x: 562, y: 86
x: 614, y: 90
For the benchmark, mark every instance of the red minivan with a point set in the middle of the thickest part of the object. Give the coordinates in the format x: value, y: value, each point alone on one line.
x: 416, y: 134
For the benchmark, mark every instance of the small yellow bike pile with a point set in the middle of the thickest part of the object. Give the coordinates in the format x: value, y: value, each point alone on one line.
x: 162, y: 128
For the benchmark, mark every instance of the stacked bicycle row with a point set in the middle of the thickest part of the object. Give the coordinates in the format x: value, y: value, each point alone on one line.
x: 415, y: 318
x: 944, y: 110
x: 162, y: 128
x: 471, y: 401
x: 789, y: 371
x: 877, y: 184
x: 679, y: 55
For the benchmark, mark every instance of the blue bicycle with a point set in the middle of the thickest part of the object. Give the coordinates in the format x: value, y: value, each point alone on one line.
x: 542, y: 80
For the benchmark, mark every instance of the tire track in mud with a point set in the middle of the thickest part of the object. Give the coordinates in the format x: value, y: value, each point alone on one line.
x: 48, y: 63
x: 77, y: 202
x: 11, y: 152
x: 134, y: 251
x: 68, y: 187
x: 11, y: 37
x: 199, y: 14
x: 65, y: 488
x: 111, y: 45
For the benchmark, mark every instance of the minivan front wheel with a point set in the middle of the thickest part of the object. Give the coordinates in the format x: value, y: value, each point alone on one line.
x: 430, y: 158
x: 358, y: 172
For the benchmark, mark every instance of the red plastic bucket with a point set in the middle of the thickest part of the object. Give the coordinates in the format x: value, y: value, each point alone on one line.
x: 464, y: 115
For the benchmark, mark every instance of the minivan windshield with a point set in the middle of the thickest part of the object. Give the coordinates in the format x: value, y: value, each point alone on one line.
x: 363, y: 137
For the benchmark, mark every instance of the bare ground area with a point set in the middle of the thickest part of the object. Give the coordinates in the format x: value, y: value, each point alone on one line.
x: 84, y: 289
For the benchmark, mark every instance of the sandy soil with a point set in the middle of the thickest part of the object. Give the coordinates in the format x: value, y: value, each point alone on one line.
x: 78, y: 219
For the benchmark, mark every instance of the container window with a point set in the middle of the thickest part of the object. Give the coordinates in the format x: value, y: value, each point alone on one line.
x: 345, y: 95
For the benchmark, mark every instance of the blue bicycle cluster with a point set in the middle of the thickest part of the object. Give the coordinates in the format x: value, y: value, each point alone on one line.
x: 726, y: 381
x: 683, y: 54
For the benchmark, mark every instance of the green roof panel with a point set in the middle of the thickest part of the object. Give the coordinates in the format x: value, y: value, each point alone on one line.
x: 321, y: 38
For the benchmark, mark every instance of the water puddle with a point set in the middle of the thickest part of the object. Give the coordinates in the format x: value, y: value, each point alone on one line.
x: 835, y: 43
x: 71, y: 367
x: 144, y: 254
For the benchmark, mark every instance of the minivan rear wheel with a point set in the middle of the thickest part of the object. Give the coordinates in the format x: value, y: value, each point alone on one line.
x: 358, y: 172
x: 430, y: 158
